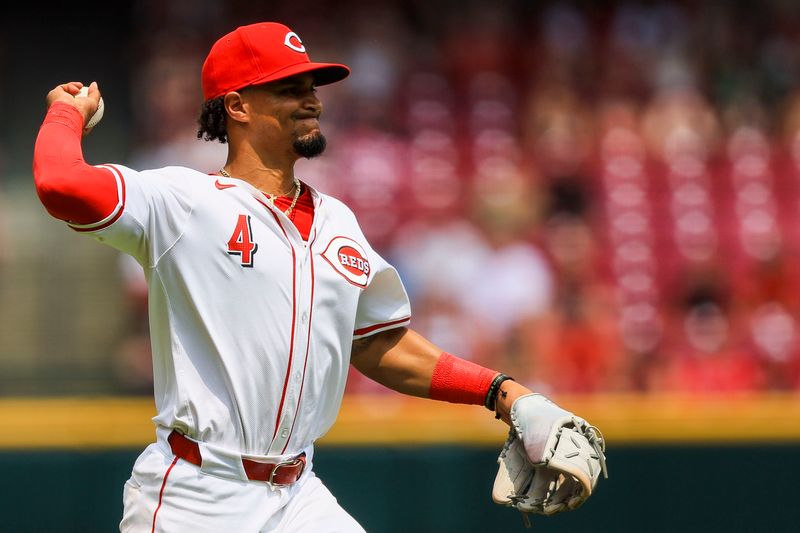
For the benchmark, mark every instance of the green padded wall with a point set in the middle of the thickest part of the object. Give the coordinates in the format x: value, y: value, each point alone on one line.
x: 438, y: 489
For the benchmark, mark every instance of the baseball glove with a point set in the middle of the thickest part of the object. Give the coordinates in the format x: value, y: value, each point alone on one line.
x: 551, y: 460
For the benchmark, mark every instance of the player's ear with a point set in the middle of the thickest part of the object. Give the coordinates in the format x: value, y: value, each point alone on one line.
x: 235, y: 107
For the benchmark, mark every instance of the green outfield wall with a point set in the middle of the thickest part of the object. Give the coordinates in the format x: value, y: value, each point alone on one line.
x: 652, y: 489
x: 678, y: 463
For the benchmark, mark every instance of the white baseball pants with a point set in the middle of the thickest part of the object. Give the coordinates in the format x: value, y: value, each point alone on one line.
x: 171, y: 495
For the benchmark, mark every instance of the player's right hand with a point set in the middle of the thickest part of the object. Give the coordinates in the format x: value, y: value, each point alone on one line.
x: 66, y: 93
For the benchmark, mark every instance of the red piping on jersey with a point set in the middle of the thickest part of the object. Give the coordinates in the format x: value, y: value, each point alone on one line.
x: 118, y: 214
x: 308, y: 345
x: 294, y: 313
x: 161, y: 494
x: 369, y: 329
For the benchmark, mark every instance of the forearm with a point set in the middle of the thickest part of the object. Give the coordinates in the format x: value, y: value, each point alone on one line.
x: 407, y: 362
x: 67, y: 186
x: 400, y: 359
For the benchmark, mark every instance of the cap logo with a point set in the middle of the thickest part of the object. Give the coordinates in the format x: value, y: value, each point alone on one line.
x: 349, y: 259
x: 296, y: 47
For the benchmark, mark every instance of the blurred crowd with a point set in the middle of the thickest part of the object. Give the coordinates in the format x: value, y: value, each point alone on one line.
x: 588, y: 198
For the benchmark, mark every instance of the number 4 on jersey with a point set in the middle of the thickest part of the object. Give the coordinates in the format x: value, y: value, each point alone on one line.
x: 241, y: 242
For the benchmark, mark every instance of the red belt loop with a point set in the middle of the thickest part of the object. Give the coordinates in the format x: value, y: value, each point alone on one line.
x: 283, y: 473
x: 184, y: 448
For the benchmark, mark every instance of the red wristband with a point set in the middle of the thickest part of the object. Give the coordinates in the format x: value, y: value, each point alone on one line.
x: 457, y: 380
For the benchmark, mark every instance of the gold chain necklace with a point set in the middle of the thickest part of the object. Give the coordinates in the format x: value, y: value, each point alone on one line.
x: 271, y: 197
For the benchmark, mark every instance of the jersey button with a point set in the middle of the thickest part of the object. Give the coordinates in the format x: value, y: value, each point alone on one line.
x: 305, y: 317
x: 285, y: 433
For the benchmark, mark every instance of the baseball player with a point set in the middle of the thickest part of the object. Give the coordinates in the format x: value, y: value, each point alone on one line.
x: 262, y: 290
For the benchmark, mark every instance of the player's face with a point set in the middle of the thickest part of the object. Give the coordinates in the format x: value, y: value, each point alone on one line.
x: 286, y: 115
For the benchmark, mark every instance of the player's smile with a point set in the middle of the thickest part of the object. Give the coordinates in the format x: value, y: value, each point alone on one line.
x: 308, y: 121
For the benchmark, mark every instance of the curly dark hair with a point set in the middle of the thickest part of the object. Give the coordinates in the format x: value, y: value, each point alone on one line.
x: 212, y: 121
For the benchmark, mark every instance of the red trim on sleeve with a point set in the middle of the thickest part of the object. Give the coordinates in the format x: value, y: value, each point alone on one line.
x: 457, y: 380
x: 369, y: 329
x: 114, y: 215
x: 67, y: 186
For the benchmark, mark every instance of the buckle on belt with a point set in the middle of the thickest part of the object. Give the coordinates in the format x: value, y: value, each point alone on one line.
x: 287, y: 463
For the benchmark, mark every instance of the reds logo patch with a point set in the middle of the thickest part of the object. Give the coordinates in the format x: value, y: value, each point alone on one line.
x: 348, y: 258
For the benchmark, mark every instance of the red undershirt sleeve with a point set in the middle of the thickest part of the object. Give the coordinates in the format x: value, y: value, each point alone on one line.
x: 68, y: 187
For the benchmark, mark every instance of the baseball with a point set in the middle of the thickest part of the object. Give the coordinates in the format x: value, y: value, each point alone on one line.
x: 84, y: 92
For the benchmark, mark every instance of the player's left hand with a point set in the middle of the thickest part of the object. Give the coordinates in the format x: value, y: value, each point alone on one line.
x: 551, y: 461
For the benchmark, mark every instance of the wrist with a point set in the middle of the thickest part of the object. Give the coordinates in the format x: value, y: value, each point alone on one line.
x: 495, y: 390
x: 61, y: 112
x: 508, y: 394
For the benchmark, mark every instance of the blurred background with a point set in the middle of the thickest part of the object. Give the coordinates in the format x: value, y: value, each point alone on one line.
x: 602, y: 199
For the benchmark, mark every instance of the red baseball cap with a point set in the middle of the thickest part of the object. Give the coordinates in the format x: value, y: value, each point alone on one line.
x: 260, y: 53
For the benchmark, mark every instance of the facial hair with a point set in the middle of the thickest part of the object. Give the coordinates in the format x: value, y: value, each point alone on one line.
x: 310, y: 146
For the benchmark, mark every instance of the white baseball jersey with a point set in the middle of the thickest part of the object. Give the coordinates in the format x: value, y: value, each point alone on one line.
x: 251, y: 325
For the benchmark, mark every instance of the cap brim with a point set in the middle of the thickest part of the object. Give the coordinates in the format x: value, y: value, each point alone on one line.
x: 324, y: 73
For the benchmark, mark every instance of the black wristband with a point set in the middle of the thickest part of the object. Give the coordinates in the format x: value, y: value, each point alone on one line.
x: 491, y: 397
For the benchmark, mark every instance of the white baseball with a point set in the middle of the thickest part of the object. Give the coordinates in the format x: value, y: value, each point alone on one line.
x: 84, y: 92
